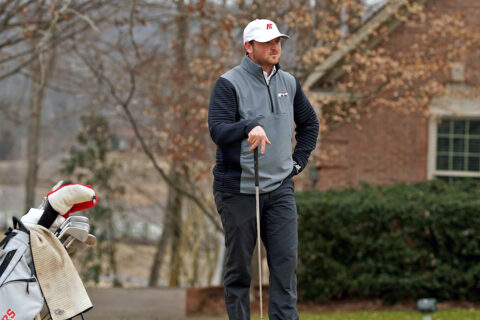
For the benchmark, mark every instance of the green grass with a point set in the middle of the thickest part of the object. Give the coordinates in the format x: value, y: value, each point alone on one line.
x: 454, y: 314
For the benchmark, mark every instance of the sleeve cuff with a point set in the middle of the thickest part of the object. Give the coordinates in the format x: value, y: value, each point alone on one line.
x: 252, y: 124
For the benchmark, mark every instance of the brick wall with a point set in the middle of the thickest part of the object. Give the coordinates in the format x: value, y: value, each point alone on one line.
x: 392, y: 146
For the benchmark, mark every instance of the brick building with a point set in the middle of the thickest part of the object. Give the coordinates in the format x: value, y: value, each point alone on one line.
x: 394, y: 146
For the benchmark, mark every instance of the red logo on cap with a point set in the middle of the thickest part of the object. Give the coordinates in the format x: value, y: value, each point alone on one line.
x: 269, y: 26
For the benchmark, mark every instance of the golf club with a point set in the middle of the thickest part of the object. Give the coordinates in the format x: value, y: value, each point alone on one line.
x: 91, y: 240
x: 67, y: 221
x: 259, y: 248
x: 74, y: 218
x: 82, y: 225
x: 70, y: 240
x: 77, y: 230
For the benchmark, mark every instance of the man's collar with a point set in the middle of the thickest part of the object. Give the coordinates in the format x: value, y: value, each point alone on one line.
x: 254, y: 68
x: 274, y: 69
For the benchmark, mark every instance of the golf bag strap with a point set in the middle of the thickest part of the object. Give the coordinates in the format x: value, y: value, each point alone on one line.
x: 9, y: 234
x: 17, y: 224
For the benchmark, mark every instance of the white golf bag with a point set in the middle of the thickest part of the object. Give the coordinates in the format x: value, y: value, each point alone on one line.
x: 35, y: 268
x: 20, y: 293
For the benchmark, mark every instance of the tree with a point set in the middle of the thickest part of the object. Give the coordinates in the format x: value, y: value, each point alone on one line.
x: 31, y: 31
x: 41, y: 74
x: 137, y: 60
x: 43, y: 24
x: 88, y: 163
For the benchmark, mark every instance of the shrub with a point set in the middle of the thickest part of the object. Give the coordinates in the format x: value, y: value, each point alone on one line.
x: 395, y: 243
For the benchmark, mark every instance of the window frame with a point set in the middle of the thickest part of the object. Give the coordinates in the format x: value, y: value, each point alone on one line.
x: 455, y: 109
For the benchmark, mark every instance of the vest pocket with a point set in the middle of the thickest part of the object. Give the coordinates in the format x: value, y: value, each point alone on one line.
x: 283, y: 105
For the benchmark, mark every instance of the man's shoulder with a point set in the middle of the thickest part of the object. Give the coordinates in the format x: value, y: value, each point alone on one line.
x: 287, y: 75
x: 232, y: 74
x: 289, y: 80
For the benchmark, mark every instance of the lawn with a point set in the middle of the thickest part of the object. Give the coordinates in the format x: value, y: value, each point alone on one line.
x: 454, y: 314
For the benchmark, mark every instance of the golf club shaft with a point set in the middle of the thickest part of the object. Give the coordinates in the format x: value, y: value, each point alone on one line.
x: 259, y: 248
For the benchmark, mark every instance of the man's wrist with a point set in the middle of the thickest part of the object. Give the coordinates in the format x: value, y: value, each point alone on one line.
x: 249, y: 127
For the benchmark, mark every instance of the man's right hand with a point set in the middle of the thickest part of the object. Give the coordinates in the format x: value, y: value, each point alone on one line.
x: 258, y: 136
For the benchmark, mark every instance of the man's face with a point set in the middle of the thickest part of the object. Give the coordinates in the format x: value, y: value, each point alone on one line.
x: 265, y: 53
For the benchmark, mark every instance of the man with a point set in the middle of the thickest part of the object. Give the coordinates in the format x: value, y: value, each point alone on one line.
x: 256, y: 105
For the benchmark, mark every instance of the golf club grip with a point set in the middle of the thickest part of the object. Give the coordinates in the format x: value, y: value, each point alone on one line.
x: 48, y: 217
x: 255, y: 165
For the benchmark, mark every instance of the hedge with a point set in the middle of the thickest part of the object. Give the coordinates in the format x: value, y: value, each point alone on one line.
x: 395, y: 243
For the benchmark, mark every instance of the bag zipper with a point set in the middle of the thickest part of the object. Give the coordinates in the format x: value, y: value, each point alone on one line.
x: 20, y: 280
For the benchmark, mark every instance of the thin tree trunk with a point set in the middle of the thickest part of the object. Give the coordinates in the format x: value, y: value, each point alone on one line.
x: 159, y: 253
x: 112, y: 249
x: 33, y: 141
x: 195, y: 241
x: 40, y: 76
x: 176, y: 234
x: 174, y: 199
x: 181, y: 60
x: 196, y: 264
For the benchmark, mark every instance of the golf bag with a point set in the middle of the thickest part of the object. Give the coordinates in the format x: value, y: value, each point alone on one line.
x: 20, y: 294
x: 36, y: 271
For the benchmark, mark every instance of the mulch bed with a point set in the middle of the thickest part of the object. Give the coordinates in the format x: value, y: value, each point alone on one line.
x: 209, y: 301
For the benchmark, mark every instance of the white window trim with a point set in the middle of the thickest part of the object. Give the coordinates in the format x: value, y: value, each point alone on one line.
x: 448, y: 107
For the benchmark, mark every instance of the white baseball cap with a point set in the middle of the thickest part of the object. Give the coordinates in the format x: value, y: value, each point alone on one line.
x: 262, y: 30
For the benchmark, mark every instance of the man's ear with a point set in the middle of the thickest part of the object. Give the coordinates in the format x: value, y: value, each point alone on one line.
x: 248, y: 47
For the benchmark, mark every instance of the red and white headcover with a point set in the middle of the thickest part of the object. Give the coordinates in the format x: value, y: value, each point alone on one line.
x: 71, y: 198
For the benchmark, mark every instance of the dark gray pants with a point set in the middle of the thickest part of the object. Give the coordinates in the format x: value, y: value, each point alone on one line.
x: 278, y: 228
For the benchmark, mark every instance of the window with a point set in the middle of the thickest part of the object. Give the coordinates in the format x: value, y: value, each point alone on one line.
x: 458, y: 145
x: 457, y: 148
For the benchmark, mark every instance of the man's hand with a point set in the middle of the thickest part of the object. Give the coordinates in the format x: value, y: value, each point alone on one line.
x: 258, y: 136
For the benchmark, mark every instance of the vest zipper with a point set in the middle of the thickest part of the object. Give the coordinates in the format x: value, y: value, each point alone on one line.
x: 270, y: 96
x: 268, y: 88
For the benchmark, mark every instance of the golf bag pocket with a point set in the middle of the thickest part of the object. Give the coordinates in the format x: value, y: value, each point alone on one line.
x: 20, y: 299
x: 20, y: 294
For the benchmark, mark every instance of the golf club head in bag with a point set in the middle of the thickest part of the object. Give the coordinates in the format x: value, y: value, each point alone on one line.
x: 74, y: 219
x: 71, y: 243
x: 77, y: 230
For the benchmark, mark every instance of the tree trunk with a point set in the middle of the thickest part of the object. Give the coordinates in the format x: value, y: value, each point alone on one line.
x: 195, y: 241
x: 196, y: 264
x: 40, y: 75
x: 173, y: 208
x: 176, y: 197
x: 33, y: 140
x: 159, y: 253
x: 176, y: 233
x: 111, y: 250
